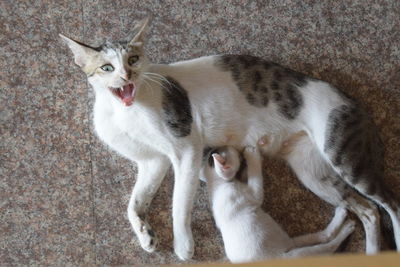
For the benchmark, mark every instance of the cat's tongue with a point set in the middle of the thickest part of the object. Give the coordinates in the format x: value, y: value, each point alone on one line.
x: 126, y: 94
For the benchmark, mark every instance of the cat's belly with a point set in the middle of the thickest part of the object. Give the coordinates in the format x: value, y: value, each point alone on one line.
x: 240, y: 133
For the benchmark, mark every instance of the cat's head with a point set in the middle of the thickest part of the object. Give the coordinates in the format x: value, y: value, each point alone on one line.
x: 116, y: 69
x: 226, y: 162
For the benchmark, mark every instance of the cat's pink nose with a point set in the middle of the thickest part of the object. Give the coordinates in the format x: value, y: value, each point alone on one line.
x: 126, y: 75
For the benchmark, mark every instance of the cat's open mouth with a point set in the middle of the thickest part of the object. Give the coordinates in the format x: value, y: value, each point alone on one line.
x: 125, y: 93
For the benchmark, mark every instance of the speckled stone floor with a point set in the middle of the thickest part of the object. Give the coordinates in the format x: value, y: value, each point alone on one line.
x: 63, y: 195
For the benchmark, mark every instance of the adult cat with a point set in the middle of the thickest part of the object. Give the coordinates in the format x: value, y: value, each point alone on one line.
x: 248, y: 232
x: 157, y: 114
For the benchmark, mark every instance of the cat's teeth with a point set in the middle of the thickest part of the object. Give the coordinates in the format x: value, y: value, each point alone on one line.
x: 122, y: 89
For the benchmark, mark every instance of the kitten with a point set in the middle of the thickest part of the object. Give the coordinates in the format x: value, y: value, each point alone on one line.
x: 158, y: 114
x: 248, y: 232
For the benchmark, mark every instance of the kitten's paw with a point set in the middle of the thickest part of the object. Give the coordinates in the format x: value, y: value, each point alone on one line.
x: 184, y: 249
x: 147, y: 238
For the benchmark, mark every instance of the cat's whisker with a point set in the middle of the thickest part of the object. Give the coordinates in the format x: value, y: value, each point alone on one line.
x: 155, y: 74
x: 160, y: 83
x: 154, y: 77
x: 149, y: 86
x: 154, y: 80
x: 149, y: 79
x: 158, y: 76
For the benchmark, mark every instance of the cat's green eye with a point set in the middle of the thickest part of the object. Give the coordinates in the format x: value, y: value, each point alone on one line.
x: 132, y: 60
x: 107, y: 67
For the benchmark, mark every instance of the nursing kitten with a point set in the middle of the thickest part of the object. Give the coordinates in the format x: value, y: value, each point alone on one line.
x: 158, y: 114
x: 250, y: 234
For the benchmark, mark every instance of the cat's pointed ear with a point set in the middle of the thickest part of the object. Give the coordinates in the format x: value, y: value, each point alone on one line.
x: 82, y: 53
x: 140, y: 31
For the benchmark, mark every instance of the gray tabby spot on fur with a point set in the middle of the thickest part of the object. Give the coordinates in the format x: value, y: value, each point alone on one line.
x: 262, y: 81
x: 353, y: 144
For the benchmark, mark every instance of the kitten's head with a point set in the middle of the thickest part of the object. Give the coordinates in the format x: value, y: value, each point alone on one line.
x: 226, y: 161
x: 116, y: 69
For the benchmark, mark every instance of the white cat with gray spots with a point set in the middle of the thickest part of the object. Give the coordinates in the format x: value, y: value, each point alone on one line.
x: 162, y: 114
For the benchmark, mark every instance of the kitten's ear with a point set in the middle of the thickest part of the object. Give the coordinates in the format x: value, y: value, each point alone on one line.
x: 82, y: 53
x: 140, y: 31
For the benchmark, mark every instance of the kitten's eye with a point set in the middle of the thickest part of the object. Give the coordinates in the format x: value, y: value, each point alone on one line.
x: 107, y: 67
x: 132, y: 60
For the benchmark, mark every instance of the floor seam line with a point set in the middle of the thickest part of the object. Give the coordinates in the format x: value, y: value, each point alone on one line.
x: 92, y: 189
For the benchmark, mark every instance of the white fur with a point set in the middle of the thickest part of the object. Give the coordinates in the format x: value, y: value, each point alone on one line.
x: 250, y: 234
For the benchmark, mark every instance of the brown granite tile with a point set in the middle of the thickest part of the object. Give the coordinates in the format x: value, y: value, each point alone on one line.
x: 45, y: 186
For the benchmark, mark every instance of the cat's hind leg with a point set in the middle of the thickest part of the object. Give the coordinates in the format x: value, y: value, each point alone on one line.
x: 323, y: 236
x: 150, y: 175
x: 368, y: 214
x: 317, y: 175
x: 324, y: 248
x: 353, y: 148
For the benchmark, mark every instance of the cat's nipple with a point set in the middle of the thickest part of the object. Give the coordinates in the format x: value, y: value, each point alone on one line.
x: 263, y: 141
x: 286, y: 143
x: 229, y: 138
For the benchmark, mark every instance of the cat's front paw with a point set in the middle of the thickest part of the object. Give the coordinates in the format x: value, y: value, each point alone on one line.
x: 184, y: 248
x: 147, y: 238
